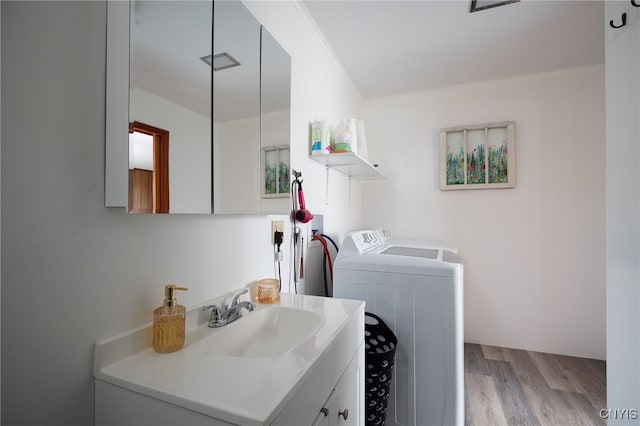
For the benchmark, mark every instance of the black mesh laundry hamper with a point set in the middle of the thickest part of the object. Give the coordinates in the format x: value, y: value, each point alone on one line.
x: 380, y: 350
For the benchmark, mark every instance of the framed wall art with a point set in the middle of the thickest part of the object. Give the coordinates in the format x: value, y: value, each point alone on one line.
x: 275, y: 172
x: 478, y: 157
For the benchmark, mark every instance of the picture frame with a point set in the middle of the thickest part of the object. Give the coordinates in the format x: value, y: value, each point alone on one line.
x: 478, y: 157
x: 275, y: 176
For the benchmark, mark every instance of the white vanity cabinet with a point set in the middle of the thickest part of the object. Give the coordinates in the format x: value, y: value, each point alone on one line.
x: 319, y: 401
x: 345, y: 405
x: 318, y: 380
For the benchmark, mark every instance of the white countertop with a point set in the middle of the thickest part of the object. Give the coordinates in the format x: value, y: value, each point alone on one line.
x: 248, y: 391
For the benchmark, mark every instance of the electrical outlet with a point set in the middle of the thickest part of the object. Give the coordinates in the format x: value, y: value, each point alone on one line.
x: 277, y: 225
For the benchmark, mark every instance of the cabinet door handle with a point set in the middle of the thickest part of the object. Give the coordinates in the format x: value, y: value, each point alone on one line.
x: 344, y: 413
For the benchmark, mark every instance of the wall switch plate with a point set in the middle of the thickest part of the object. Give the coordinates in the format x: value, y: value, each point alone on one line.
x: 277, y: 225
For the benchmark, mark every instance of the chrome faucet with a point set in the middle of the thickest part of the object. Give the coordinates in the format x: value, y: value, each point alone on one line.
x: 221, y: 316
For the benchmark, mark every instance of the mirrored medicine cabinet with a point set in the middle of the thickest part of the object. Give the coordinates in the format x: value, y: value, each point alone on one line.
x: 208, y: 102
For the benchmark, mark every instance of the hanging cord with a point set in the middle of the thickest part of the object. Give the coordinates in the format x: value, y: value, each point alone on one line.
x: 302, y: 258
x: 327, y: 260
x: 326, y: 237
x: 293, y: 258
x: 279, y: 275
x: 298, y: 214
x: 324, y: 275
x: 324, y: 263
x: 277, y: 254
x: 295, y: 235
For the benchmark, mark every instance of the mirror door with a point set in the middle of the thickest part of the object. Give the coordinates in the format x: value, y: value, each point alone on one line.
x: 275, y: 124
x: 170, y: 89
x: 236, y: 110
x: 227, y: 154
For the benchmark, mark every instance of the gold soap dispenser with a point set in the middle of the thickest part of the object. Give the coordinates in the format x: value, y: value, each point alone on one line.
x: 169, y: 323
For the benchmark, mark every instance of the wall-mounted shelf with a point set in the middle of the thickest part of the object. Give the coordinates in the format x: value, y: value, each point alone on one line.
x: 350, y: 164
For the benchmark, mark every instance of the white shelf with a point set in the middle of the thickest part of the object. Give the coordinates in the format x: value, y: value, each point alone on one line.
x: 350, y: 164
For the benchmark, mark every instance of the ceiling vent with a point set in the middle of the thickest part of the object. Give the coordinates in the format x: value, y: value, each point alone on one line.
x: 221, y: 61
x: 477, y: 5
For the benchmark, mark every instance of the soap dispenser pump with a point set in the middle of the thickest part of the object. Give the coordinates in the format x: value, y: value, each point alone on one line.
x: 169, y: 322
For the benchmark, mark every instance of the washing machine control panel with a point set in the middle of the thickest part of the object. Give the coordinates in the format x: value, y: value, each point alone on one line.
x: 383, y: 235
x: 366, y: 240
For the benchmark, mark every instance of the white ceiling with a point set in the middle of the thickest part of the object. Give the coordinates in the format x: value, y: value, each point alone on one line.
x: 167, y: 40
x: 391, y: 47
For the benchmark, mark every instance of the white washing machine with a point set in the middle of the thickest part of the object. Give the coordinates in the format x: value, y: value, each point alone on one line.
x: 416, y: 288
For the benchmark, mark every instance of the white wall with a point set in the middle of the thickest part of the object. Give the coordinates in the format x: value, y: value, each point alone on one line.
x: 319, y: 90
x: 189, y: 149
x: 623, y: 210
x: 73, y: 271
x: 236, y: 157
x: 534, y: 255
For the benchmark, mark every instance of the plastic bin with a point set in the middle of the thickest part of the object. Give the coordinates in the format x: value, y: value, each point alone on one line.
x: 380, y: 350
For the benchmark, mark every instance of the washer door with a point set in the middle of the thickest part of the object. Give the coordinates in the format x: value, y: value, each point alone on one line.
x: 425, y: 253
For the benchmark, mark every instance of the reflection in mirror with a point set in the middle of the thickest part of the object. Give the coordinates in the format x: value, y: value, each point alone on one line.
x: 148, y: 169
x: 236, y: 111
x: 275, y: 101
x: 170, y: 90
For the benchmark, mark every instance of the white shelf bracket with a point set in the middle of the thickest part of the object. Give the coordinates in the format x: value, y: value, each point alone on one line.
x: 326, y: 185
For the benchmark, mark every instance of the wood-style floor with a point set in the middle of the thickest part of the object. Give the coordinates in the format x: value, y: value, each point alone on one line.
x: 516, y: 387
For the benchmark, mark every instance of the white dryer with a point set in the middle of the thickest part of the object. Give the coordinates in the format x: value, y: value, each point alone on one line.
x: 416, y: 288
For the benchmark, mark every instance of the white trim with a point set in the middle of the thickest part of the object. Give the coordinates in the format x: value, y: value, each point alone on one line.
x: 116, y: 185
x: 317, y: 32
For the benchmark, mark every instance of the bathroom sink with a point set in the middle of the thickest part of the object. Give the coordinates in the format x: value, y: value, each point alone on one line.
x: 263, y: 333
x: 290, y: 354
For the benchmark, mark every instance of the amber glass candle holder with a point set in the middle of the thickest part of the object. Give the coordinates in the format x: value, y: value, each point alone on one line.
x: 268, y: 290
